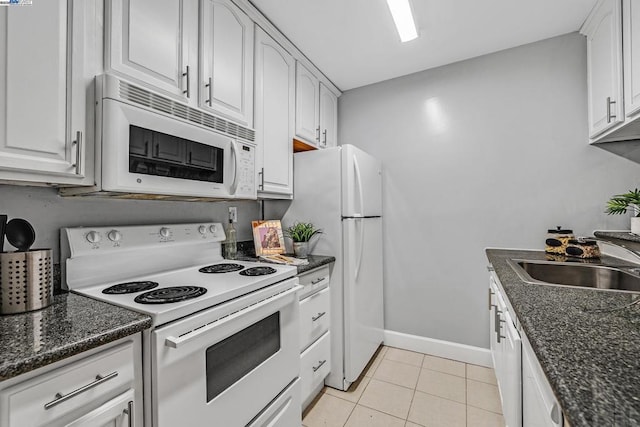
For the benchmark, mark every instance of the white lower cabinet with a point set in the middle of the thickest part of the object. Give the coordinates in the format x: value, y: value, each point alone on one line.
x: 102, y: 389
x: 315, y: 339
x: 526, y: 396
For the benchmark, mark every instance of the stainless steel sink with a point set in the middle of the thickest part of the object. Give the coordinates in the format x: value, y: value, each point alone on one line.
x: 593, y: 276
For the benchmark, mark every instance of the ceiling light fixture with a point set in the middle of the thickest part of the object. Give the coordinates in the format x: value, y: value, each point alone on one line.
x: 401, y: 12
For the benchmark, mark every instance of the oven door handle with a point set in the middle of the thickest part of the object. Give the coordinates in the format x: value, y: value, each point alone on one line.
x: 176, y: 342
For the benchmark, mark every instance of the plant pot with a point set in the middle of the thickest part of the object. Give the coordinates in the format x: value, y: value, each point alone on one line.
x: 301, y: 249
x: 635, y: 225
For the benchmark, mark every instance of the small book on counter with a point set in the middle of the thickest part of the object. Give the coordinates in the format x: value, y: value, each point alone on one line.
x: 282, y: 259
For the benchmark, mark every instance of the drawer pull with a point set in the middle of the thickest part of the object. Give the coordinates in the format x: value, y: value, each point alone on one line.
x: 320, y: 363
x: 315, y: 282
x: 319, y: 315
x: 64, y: 397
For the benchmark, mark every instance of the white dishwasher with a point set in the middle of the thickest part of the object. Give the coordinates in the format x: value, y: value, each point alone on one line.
x: 540, y: 407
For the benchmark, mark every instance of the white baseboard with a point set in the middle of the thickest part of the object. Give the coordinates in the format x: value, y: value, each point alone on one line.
x: 449, y: 350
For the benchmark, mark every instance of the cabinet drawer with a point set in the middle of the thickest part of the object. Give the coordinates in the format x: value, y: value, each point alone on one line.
x: 314, y: 317
x: 314, y: 280
x: 315, y: 365
x: 87, y: 382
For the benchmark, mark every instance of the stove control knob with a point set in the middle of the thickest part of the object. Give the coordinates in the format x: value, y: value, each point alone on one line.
x: 165, y: 232
x: 213, y: 229
x: 93, y: 237
x: 202, y: 229
x: 114, y: 236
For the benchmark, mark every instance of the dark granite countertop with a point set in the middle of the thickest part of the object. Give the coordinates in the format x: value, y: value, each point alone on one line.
x: 591, y: 358
x: 71, y: 325
x: 620, y: 235
x: 315, y: 261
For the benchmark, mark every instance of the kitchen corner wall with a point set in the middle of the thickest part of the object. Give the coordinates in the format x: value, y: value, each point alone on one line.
x: 49, y: 212
x: 488, y: 152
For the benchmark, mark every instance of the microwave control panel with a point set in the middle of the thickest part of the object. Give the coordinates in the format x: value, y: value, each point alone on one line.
x: 247, y: 171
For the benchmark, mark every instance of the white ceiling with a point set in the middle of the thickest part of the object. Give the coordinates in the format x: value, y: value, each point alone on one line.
x: 354, y: 42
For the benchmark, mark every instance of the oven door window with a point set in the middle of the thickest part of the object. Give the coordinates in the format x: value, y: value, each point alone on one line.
x: 231, y: 359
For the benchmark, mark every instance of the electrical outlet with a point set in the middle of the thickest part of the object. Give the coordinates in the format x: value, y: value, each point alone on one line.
x: 233, y: 213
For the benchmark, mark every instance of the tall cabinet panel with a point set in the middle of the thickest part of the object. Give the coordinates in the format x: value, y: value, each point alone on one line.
x: 155, y: 42
x: 631, y: 30
x: 42, y: 108
x: 328, y: 117
x: 307, y: 96
x: 604, y: 66
x: 226, y: 61
x: 274, y: 115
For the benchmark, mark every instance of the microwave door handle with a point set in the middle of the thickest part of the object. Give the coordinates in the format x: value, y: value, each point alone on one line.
x: 236, y: 167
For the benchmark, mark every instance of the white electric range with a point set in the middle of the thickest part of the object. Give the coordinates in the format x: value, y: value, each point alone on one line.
x: 224, y: 340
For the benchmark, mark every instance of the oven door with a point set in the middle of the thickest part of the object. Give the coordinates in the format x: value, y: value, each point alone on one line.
x: 222, y: 366
x: 148, y: 153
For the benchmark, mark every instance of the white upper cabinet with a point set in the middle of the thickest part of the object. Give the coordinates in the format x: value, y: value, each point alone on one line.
x: 226, y: 60
x: 307, y: 105
x: 43, y: 93
x: 631, y: 36
x: 316, y: 110
x: 155, y: 42
x: 328, y: 117
x: 604, y: 66
x: 274, y: 116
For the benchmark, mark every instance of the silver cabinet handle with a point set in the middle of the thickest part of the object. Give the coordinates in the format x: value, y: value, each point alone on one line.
x: 609, y: 115
x: 79, y: 144
x: 210, y: 86
x: 324, y: 133
x: 318, y: 134
x: 320, y: 363
x: 64, y: 397
x: 314, y: 318
x: 491, y: 293
x: 499, y: 323
x: 129, y: 411
x: 187, y: 75
x: 315, y: 282
x: 261, y: 173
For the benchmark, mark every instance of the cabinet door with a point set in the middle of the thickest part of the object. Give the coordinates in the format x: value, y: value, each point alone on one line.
x: 226, y: 60
x: 604, y: 66
x: 307, y: 105
x: 151, y: 41
x: 42, y: 119
x: 274, y: 99
x: 631, y: 37
x: 117, y: 412
x: 328, y: 117
x: 167, y: 147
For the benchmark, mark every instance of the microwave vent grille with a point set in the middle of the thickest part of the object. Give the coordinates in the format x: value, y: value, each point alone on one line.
x: 157, y: 102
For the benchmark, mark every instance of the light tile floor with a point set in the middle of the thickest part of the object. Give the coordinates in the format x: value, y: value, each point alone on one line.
x: 401, y: 388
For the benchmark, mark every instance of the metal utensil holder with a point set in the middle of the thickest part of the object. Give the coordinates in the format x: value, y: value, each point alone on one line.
x: 26, y: 281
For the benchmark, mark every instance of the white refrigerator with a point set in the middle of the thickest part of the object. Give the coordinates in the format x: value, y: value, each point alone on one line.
x: 340, y: 190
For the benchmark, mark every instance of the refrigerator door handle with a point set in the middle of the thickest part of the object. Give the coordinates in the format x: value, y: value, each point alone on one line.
x: 360, y: 248
x: 358, y: 177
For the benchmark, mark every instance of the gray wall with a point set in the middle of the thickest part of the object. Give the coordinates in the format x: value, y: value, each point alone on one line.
x: 486, y: 152
x: 49, y: 212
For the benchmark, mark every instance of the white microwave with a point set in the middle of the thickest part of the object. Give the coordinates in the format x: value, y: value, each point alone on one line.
x: 149, y: 146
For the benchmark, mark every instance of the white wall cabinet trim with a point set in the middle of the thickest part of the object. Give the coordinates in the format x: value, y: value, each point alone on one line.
x: 631, y: 45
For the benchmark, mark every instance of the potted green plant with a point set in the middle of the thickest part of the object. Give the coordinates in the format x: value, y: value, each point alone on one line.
x: 619, y: 204
x: 301, y: 233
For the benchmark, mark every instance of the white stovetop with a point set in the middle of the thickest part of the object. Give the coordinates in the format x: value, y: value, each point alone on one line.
x: 221, y: 287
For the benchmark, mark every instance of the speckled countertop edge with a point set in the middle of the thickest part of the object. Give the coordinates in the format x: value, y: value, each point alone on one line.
x: 621, y: 235
x: 315, y: 261
x: 71, y: 325
x: 591, y: 359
